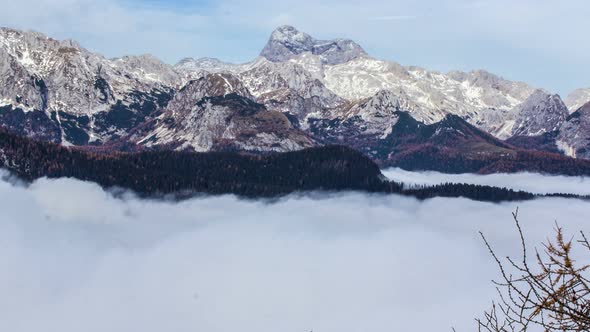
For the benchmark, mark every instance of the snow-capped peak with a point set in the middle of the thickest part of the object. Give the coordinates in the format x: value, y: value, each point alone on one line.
x: 286, y: 42
x: 215, y: 84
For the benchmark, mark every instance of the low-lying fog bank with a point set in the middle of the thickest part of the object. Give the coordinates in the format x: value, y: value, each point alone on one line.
x: 76, y: 259
x: 530, y: 182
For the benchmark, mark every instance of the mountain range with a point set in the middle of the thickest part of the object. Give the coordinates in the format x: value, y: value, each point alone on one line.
x: 301, y: 92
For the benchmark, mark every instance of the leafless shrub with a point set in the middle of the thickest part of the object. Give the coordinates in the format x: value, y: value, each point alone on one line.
x: 550, y: 294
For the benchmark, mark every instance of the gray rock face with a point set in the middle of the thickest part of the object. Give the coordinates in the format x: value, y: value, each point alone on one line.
x: 88, y: 98
x: 18, y: 87
x: 217, y: 112
x: 539, y: 114
x: 210, y: 85
x: 577, y: 99
x: 148, y: 68
x: 574, y: 137
x: 290, y: 88
x: 364, y: 125
x: 378, y: 113
x: 287, y: 42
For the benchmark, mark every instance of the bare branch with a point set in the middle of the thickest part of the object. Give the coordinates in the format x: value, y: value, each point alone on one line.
x: 554, y: 298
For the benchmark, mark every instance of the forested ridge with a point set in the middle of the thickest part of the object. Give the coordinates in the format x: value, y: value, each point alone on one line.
x: 183, y: 174
x: 330, y: 168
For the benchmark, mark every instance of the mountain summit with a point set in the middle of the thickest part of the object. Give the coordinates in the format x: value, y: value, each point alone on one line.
x: 287, y: 42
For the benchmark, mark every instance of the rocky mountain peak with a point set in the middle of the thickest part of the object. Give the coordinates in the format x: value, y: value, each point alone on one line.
x: 388, y: 99
x: 221, y: 122
x: 213, y: 85
x: 148, y: 68
x: 540, y: 113
x: 286, y: 42
x: 289, y: 34
x: 210, y: 85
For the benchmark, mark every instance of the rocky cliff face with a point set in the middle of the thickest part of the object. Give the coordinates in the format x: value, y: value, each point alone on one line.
x: 78, y: 96
x: 574, y: 137
x: 286, y: 42
x: 216, y: 112
x: 539, y: 114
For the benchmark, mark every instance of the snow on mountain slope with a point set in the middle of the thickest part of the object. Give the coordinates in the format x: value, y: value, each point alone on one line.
x: 541, y: 113
x: 216, y: 112
x: 265, y: 76
x: 212, y: 85
x: 87, y: 98
x: 147, y: 69
x: 73, y: 74
x: 269, y: 80
x: 206, y: 64
x: 291, y: 66
x: 288, y: 87
x: 436, y: 94
x: 68, y: 71
x: 477, y: 96
x: 378, y: 113
x: 18, y: 87
x: 363, y: 125
x: 577, y: 99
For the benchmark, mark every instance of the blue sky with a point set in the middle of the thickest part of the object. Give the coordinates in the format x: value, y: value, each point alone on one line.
x: 542, y: 42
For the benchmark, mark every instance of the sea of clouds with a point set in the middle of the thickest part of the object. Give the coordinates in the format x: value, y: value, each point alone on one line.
x: 75, y: 258
x: 530, y: 182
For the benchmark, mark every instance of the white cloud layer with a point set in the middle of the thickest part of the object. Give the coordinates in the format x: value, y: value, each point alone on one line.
x: 76, y: 259
x: 530, y: 182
